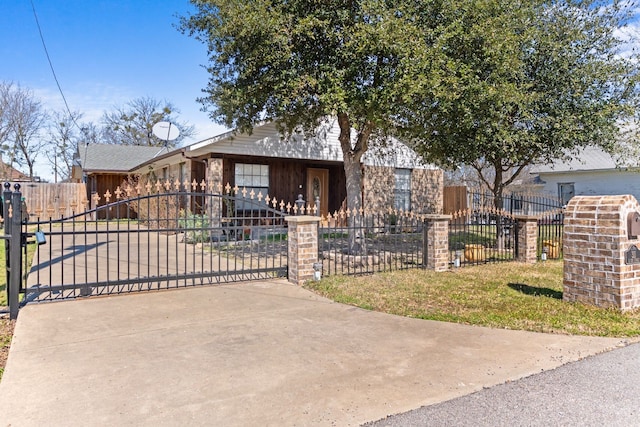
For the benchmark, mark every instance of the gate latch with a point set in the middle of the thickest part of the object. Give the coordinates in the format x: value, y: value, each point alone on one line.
x: 40, y: 238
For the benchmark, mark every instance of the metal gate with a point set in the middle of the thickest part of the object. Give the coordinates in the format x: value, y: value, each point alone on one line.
x: 164, y: 236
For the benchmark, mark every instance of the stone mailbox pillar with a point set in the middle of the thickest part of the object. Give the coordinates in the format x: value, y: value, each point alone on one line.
x: 303, y: 247
x: 601, y: 262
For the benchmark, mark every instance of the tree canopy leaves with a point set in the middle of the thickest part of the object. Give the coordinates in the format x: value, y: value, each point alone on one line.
x: 522, y: 82
x: 497, y: 83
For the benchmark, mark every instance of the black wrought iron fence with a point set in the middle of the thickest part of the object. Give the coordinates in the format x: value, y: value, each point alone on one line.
x: 481, y: 236
x: 362, y: 243
x: 548, y: 210
x: 168, y: 239
x: 550, y: 232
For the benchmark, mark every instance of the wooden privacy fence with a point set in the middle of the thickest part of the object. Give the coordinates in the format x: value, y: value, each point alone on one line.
x: 47, y: 200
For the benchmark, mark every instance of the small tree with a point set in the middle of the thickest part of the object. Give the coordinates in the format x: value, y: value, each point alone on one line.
x: 65, y: 140
x: 133, y: 124
x: 5, y: 96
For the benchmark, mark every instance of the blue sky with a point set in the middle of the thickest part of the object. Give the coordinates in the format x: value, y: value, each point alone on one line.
x: 105, y: 53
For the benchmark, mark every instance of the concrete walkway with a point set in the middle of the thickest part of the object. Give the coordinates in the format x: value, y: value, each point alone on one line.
x: 252, y: 354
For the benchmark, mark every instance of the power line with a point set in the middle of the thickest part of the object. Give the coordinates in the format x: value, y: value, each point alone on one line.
x: 55, y: 77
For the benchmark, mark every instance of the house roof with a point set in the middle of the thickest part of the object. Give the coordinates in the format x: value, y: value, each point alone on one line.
x: 8, y: 173
x: 116, y: 158
x: 589, y: 159
x: 267, y: 141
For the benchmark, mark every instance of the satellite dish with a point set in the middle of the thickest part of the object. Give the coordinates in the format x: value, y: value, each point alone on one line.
x: 165, y: 131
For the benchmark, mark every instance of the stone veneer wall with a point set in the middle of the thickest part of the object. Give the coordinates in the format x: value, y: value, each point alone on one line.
x: 595, y: 243
x: 527, y: 239
x: 302, y: 247
x: 426, y: 189
x: 379, y: 183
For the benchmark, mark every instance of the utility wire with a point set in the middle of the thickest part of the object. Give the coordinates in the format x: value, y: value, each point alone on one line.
x: 55, y: 77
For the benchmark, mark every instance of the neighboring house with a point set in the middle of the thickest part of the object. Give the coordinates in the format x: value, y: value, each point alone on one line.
x: 264, y: 162
x: 593, y: 172
x: 10, y: 174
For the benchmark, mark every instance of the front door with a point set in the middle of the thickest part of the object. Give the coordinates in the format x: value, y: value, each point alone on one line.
x: 317, y: 188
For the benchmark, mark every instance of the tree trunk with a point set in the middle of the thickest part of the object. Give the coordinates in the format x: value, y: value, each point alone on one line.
x: 353, y: 173
x: 352, y: 155
x: 498, y: 205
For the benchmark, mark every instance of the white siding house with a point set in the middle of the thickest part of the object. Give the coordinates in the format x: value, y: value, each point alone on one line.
x: 593, y: 172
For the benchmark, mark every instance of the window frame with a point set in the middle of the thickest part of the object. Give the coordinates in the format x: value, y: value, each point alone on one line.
x: 250, y: 176
x: 402, y: 189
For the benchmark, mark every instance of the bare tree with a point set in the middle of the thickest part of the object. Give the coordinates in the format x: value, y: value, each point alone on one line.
x: 66, y: 136
x: 5, y: 91
x: 133, y: 123
x: 25, y: 119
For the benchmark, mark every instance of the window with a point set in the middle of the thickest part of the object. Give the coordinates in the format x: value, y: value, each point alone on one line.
x: 566, y: 191
x: 403, y: 189
x: 251, y: 177
x: 516, y: 203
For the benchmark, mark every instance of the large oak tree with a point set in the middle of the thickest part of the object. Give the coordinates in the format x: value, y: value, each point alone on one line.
x: 494, y: 84
x: 299, y: 62
x: 522, y: 82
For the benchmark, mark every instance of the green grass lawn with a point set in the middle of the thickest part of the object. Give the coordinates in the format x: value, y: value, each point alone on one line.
x: 506, y: 295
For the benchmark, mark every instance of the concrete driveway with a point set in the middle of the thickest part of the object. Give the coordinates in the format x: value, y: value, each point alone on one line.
x: 249, y: 354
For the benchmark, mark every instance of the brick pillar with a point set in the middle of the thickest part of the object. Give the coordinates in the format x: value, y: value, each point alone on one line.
x: 435, y: 253
x: 601, y: 263
x: 214, y: 174
x: 527, y: 239
x: 302, y: 247
x: 214, y: 177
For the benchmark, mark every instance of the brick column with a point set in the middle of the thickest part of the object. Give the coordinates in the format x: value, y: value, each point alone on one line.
x: 435, y: 251
x: 527, y: 239
x: 214, y: 174
x: 214, y: 177
x: 302, y: 247
x: 601, y: 266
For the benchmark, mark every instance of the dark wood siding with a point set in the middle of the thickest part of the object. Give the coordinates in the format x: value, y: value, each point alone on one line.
x: 100, y: 183
x: 287, y: 177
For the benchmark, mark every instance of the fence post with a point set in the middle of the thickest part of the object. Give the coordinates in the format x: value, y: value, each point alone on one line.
x: 527, y: 238
x: 435, y: 250
x: 14, y: 272
x: 6, y: 203
x: 302, y: 247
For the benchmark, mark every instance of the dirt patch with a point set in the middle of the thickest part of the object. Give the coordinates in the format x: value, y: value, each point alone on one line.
x: 6, y: 332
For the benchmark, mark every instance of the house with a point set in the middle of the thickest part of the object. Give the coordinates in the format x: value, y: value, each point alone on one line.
x: 593, y: 172
x: 265, y: 162
x: 10, y: 174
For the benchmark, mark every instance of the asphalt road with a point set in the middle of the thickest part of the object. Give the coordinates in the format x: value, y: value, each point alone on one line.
x: 600, y: 390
